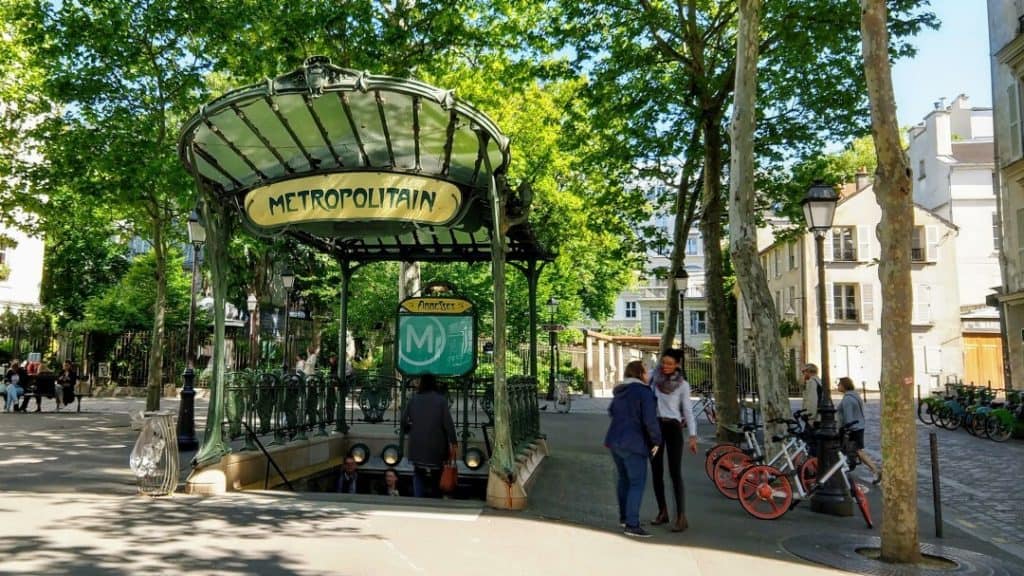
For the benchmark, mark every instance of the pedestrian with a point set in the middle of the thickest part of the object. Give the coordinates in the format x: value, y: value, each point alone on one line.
x: 431, y: 430
x: 391, y: 483
x: 851, y: 411
x: 67, y: 379
x: 348, y: 481
x: 16, y: 379
x: 633, y: 436
x: 812, y: 391
x: 674, y: 411
x: 310, y: 367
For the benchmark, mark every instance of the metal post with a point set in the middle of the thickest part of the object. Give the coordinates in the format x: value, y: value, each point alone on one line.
x: 187, y: 406
x: 551, y: 362
x: 832, y: 498
x: 284, y: 353
x: 340, y: 425
x: 933, y: 444
x: 682, y: 326
x: 532, y: 276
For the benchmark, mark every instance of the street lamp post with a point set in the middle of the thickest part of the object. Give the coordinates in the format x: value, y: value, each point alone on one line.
x: 187, y: 406
x: 682, y: 281
x: 288, y: 281
x: 254, y: 357
x: 552, y: 306
x: 819, y: 209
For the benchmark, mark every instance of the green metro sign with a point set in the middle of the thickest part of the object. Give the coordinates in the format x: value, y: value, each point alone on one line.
x: 436, y: 335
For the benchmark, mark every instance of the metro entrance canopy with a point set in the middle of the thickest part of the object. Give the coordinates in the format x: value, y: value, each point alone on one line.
x: 361, y: 166
x: 365, y: 168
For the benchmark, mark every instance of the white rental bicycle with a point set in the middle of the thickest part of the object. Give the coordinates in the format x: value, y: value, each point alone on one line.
x: 766, y: 492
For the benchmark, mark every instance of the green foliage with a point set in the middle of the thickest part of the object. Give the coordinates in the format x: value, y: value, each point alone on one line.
x: 128, y: 305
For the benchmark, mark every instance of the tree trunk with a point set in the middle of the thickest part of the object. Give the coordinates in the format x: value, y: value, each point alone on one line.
x: 893, y: 194
x: 771, y: 372
x: 154, y: 387
x: 718, y: 316
x: 687, y: 195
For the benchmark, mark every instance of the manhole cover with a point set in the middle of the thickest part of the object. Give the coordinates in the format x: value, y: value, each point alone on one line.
x: 853, y: 553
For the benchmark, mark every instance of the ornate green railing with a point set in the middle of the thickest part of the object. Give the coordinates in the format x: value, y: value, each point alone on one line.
x: 294, y: 407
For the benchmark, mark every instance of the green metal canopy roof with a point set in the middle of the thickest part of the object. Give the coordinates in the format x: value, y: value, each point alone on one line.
x: 366, y: 167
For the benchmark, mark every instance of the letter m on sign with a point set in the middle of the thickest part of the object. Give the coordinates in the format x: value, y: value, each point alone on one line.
x: 414, y: 340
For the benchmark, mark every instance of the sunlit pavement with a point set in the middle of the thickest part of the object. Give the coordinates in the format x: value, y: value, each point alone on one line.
x: 69, y: 506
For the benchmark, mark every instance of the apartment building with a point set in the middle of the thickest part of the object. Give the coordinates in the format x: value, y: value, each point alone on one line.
x: 853, y: 293
x: 641, y: 308
x: 21, y: 269
x: 1006, y: 42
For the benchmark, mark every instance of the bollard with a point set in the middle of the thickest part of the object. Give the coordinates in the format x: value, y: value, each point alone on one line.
x: 918, y: 393
x: 864, y: 389
x: 933, y: 443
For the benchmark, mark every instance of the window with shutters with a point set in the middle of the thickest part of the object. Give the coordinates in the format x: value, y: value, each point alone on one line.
x: 778, y: 302
x: 791, y: 306
x: 1020, y: 233
x: 657, y: 321
x: 1013, y: 119
x: 692, y: 246
x: 844, y: 249
x: 698, y: 322
x: 917, y: 244
x: 920, y: 169
x: 997, y: 233
x: 630, y: 309
x: 792, y: 256
x: 844, y: 303
x: 777, y: 255
x: 922, y: 313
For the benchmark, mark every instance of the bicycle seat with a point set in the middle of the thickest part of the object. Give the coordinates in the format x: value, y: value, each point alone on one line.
x: 849, y: 424
x: 997, y: 405
x: 751, y: 427
x: 778, y: 438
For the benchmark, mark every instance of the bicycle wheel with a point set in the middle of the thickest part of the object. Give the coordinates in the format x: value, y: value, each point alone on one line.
x: 809, y: 473
x: 709, y: 413
x: 862, y: 501
x: 765, y: 492
x: 925, y: 413
x: 713, y: 453
x: 979, y: 423
x: 997, y: 430
x: 727, y: 472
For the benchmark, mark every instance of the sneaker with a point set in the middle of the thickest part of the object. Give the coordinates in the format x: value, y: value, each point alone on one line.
x: 637, y: 532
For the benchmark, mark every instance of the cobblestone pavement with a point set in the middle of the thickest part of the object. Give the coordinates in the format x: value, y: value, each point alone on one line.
x: 980, y: 482
x: 979, y: 478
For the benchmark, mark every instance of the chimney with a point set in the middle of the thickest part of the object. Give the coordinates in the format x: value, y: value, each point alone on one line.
x: 863, y: 179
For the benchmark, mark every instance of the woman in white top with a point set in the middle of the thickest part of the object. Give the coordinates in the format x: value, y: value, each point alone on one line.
x: 674, y: 408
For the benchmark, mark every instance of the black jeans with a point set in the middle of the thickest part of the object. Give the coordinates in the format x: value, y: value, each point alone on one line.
x: 672, y: 445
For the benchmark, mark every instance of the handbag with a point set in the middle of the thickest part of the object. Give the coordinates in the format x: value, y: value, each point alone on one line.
x: 449, y: 477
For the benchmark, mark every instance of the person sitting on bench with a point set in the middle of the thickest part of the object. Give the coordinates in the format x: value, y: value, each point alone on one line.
x: 43, y: 384
x: 67, y: 380
x: 16, y: 379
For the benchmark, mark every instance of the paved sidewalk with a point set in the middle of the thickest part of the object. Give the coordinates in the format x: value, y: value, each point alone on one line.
x: 69, y: 507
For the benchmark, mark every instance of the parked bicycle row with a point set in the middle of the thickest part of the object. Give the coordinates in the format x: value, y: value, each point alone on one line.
x: 976, y: 410
x: 768, y: 488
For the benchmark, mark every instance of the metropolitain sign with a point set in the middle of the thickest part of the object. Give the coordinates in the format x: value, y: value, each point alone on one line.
x: 354, y: 196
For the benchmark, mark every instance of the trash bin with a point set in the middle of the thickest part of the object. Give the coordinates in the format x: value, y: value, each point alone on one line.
x: 154, y: 459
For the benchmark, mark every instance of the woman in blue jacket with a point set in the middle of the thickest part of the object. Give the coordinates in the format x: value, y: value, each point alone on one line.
x: 633, y: 436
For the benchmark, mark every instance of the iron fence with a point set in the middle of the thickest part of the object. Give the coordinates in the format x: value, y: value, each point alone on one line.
x: 292, y: 406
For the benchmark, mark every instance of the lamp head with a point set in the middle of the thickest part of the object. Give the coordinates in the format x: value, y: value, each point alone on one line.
x: 196, y: 232
x: 288, y: 278
x: 820, y: 207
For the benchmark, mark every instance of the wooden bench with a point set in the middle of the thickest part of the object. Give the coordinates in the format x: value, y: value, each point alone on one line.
x: 57, y: 393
